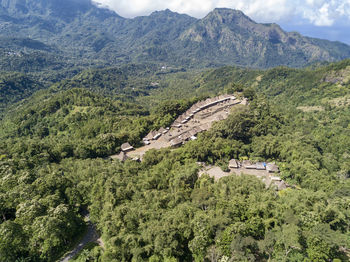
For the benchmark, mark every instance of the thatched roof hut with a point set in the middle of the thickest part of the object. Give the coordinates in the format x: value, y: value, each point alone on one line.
x: 276, y: 178
x: 272, y: 168
x: 162, y: 130
x: 193, y: 132
x: 148, y: 137
x: 248, y: 164
x: 186, y: 136
x: 197, y: 129
x: 234, y: 164
x: 176, y: 124
x: 260, y: 166
x: 176, y: 142
x: 156, y: 135
x: 126, y: 147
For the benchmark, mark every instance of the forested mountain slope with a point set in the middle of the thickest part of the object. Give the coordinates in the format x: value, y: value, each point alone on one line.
x: 15, y: 87
x: 80, y: 33
x: 53, y: 166
x: 230, y: 37
x: 125, y: 82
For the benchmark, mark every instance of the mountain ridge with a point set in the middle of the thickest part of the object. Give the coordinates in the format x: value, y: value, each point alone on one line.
x: 223, y: 37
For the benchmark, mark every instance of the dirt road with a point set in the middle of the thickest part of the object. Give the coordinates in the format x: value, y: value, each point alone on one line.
x: 90, y: 236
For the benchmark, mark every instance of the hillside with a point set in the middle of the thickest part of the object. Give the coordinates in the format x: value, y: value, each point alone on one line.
x: 81, y: 85
x: 54, y: 149
x: 80, y: 33
x: 15, y: 87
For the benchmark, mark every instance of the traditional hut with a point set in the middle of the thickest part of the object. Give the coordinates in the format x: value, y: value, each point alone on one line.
x: 186, y: 136
x: 155, y: 135
x: 126, y: 147
x: 176, y: 142
x: 234, y: 164
x: 260, y: 166
x: 272, y: 168
x: 136, y: 158
x: 162, y: 130
x: 176, y: 124
x: 148, y: 137
x: 197, y: 129
x: 248, y: 164
x: 193, y: 132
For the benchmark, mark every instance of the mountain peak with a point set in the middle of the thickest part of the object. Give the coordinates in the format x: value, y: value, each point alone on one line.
x: 163, y: 12
x: 168, y: 13
x: 228, y: 16
x: 223, y: 10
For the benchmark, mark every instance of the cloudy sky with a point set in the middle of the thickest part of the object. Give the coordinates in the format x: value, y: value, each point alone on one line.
x: 329, y: 19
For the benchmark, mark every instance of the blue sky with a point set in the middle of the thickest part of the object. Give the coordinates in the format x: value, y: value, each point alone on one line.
x: 327, y: 19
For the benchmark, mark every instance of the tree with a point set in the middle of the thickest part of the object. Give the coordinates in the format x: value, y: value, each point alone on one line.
x: 203, y: 237
x: 249, y: 93
x: 13, y: 242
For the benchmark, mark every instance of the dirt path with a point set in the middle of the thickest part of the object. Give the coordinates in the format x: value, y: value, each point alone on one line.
x: 90, y: 236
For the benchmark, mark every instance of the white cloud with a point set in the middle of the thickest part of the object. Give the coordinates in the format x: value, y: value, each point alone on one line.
x: 323, y: 12
x: 317, y: 12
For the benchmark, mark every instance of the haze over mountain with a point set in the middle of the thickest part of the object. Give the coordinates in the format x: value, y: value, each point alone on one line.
x: 81, y: 32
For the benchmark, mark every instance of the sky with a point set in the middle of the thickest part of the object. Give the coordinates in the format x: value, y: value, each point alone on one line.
x: 327, y: 19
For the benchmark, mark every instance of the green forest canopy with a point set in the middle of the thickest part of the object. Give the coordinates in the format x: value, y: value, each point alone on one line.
x: 54, y: 144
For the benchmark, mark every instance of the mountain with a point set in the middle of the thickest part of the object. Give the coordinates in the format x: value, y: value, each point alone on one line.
x: 84, y: 33
x: 230, y: 37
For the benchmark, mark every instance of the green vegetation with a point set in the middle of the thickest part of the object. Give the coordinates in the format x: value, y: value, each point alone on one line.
x: 66, y: 34
x: 89, y: 253
x: 14, y: 87
x: 66, y: 106
x: 54, y: 165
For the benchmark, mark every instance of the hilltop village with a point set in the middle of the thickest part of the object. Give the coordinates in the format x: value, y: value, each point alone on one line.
x: 187, y: 126
x: 197, y: 119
